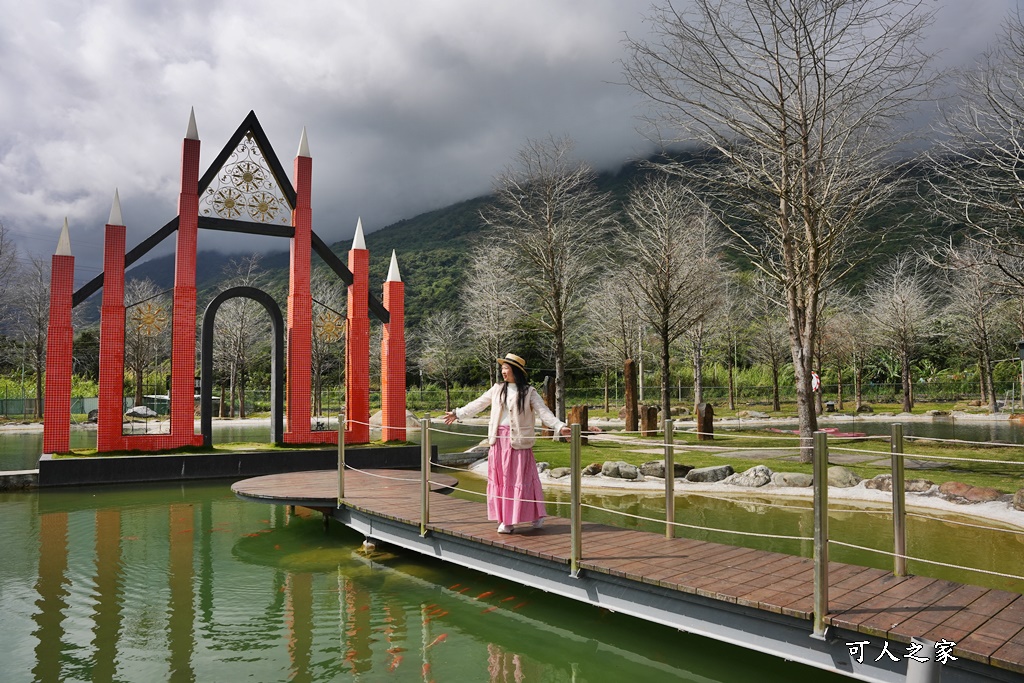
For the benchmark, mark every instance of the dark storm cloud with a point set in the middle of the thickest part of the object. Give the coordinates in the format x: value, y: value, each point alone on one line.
x: 409, y: 105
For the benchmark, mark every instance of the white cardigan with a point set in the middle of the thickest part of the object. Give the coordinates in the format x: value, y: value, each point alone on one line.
x: 521, y: 425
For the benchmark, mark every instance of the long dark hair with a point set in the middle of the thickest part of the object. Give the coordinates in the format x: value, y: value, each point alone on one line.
x: 522, y: 385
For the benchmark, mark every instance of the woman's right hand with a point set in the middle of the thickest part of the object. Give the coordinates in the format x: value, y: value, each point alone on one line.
x: 450, y: 417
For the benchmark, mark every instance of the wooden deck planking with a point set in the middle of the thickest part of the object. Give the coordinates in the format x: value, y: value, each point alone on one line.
x: 986, y: 624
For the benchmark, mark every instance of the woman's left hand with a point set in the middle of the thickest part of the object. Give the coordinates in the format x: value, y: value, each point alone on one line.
x: 566, y: 431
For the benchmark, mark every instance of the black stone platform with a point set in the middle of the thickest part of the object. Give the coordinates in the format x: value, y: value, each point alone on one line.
x: 87, y: 470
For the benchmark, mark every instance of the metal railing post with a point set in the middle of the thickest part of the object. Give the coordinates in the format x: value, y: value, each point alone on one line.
x: 899, y: 503
x: 424, y: 474
x: 670, y: 481
x: 820, y: 533
x: 341, y: 459
x: 574, y: 512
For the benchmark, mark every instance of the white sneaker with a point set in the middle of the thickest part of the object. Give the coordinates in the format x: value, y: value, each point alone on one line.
x: 505, y: 528
x: 538, y: 523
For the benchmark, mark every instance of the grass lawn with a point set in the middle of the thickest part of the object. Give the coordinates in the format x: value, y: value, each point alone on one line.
x: 1002, y: 474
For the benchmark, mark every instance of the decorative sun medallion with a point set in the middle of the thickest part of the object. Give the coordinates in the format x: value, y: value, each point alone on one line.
x: 263, y: 207
x: 228, y: 202
x: 247, y: 176
x: 330, y: 326
x: 246, y: 189
x: 148, y: 319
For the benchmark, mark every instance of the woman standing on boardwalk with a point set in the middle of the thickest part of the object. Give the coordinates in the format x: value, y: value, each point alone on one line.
x: 514, y: 493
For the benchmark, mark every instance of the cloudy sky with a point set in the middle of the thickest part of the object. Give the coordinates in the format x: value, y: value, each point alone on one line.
x: 409, y: 105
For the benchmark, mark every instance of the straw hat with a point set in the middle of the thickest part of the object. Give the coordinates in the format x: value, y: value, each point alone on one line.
x: 513, y: 359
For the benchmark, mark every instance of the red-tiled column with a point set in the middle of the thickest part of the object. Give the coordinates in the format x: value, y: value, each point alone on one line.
x: 183, y: 350
x: 300, y: 304
x: 57, y: 406
x: 111, y: 402
x: 392, y: 358
x: 357, y: 347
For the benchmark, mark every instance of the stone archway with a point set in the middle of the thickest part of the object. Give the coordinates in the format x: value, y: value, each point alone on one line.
x: 276, y: 362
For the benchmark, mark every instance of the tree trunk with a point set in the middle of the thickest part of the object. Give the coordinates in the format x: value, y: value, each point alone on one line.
x: 839, y: 386
x: 993, y: 406
x: 858, y: 399
x: 732, y: 380
x: 908, y: 400
x: 698, y: 374
x: 666, y: 387
x: 560, y: 374
x: 606, y: 390
x: 629, y: 389
x: 776, y: 402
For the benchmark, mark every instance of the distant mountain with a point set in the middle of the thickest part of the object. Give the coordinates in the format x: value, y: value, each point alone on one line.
x: 433, y: 250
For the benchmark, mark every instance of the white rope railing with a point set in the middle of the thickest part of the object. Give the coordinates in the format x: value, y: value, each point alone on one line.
x: 693, y: 526
x: 919, y: 559
x: 967, y: 524
x: 629, y: 439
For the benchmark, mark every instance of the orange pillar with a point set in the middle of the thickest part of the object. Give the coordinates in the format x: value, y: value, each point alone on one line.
x: 392, y: 357
x: 357, y: 347
x: 109, y: 436
x: 59, y: 340
x: 183, y: 352
x: 300, y: 303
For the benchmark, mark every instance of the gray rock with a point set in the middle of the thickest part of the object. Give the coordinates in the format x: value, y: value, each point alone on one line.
x: 883, y: 482
x: 918, y: 485
x: 541, y: 466
x: 592, y: 470
x: 627, y: 471
x: 958, y: 492
x: 559, y: 472
x: 759, y: 475
x: 610, y: 468
x: 841, y: 477
x: 656, y: 468
x: 800, y: 479
x: 709, y: 474
x: 1018, y: 500
x: 653, y: 468
x: 752, y: 414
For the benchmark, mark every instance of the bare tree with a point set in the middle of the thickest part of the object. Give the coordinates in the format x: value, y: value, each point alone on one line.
x: 732, y: 325
x: 837, y: 343
x: 328, y: 334
x: 795, y: 102
x: 769, y: 337
x: 8, y: 268
x: 549, y: 222
x: 146, y: 330
x: 978, y: 312
x: 977, y: 158
x: 492, y: 323
x: 612, y: 321
x: 240, y: 328
x: 900, y: 305
x: 31, y: 318
x: 671, y: 248
x: 443, y: 350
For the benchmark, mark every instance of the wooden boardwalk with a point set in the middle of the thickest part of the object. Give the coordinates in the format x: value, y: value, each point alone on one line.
x: 865, y: 604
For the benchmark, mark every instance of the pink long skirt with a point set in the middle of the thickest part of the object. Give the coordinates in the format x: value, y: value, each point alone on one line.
x: 514, y: 493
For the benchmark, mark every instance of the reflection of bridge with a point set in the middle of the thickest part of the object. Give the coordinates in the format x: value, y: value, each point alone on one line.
x: 752, y: 598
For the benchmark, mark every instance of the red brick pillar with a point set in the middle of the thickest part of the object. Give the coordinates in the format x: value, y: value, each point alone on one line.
x: 111, y: 402
x: 392, y: 357
x: 59, y: 339
x: 357, y: 346
x: 300, y: 303
x: 183, y: 352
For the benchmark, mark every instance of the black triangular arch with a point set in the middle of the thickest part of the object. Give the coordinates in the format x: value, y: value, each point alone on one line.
x: 251, y: 125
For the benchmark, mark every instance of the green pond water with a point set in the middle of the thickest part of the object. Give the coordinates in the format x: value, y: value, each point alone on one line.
x: 183, y: 582
x: 187, y: 583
